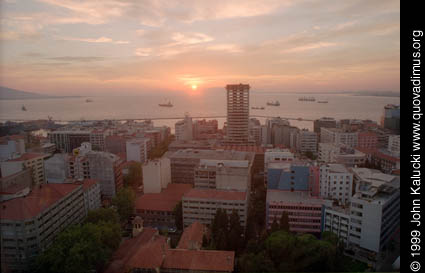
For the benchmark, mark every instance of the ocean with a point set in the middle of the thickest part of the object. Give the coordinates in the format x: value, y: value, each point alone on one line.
x: 339, y: 106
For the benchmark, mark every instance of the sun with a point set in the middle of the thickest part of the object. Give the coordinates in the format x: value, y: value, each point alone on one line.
x: 194, y: 86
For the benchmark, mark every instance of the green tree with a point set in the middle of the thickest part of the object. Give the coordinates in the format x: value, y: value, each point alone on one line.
x: 124, y: 202
x: 251, y: 262
x: 102, y: 215
x: 275, y: 226
x: 178, y: 215
x: 284, y: 222
x: 134, y: 178
x: 235, y: 232
x: 219, y: 230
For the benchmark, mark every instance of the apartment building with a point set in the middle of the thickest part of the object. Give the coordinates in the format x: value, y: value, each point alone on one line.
x: 32, y: 161
x: 203, y: 129
x: 238, y: 113
x: 374, y: 212
x: 184, y: 129
x: 336, y: 183
x: 138, y: 149
x: 368, y: 140
x: 156, y: 175
x: 15, y: 185
x: 324, y: 122
x: 57, y: 168
x: 306, y: 141
x: 286, y: 176
x: 11, y: 146
x: 394, y: 144
x: 30, y: 224
x: 339, y: 136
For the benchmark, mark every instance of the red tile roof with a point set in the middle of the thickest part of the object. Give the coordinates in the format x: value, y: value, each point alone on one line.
x: 88, y: 183
x: 164, y: 201
x: 215, y: 194
x: 120, y: 261
x: 151, y: 254
x: 192, y: 234
x: 36, y: 202
x: 202, y: 260
x: 27, y: 156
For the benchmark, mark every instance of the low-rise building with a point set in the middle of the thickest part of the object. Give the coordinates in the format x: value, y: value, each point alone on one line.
x: 157, y: 209
x: 15, y: 185
x: 201, y: 205
x: 184, y: 129
x: 306, y: 141
x: 184, y: 162
x: 304, y: 211
x: 339, y: 136
x: 11, y: 146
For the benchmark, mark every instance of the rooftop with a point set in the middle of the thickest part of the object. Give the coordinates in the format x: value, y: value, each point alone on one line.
x: 192, y: 233
x: 163, y: 201
x: 137, y: 251
x: 199, y: 260
x: 28, y: 156
x: 36, y: 202
x: 211, y: 154
x: 293, y: 197
x: 216, y: 194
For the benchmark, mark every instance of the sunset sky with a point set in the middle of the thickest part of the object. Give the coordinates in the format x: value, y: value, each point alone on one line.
x: 71, y: 47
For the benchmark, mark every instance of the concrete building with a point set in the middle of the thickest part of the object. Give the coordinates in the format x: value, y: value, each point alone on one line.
x: 138, y: 149
x: 184, y: 129
x: 11, y: 147
x: 391, y: 118
x: 255, y: 130
x: 116, y: 144
x: 285, y: 176
x: 107, y: 169
x: 223, y: 174
x: 337, y: 220
x: 92, y: 195
x: 203, y: 129
x: 324, y: 122
x: 32, y: 161
x: 304, y: 211
x: 200, y: 205
x: 184, y: 162
x: 30, y: 224
x: 336, y: 183
x: 193, y: 144
x: 375, y: 209
x: 238, y: 113
x: 15, y: 185
x: 156, y: 175
x: 341, y: 154
x: 368, y: 140
x: 394, y: 144
x: 339, y: 136
x: 68, y: 140
x: 306, y: 141
x: 56, y: 168
x: 373, y: 215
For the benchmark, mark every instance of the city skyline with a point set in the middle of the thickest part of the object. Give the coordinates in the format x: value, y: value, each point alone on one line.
x: 66, y: 47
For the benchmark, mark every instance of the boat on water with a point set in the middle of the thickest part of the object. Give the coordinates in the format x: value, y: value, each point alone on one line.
x: 89, y: 100
x: 166, y: 104
x: 322, y: 101
x: 258, y: 108
x: 24, y: 108
x: 307, y: 99
x: 276, y: 103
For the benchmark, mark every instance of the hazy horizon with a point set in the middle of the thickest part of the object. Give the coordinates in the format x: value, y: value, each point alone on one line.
x: 70, y: 47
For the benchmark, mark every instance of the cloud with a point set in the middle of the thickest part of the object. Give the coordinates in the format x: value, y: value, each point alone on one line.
x: 309, y: 47
x: 231, y: 48
x: 94, y: 40
x: 76, y: 59
x: 190, y: 38
x: 143, y: 52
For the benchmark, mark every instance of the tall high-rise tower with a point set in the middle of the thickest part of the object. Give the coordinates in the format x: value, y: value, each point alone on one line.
x: 238, y: 114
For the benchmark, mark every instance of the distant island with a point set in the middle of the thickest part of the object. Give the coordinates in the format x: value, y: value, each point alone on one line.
x: 13, y: 94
